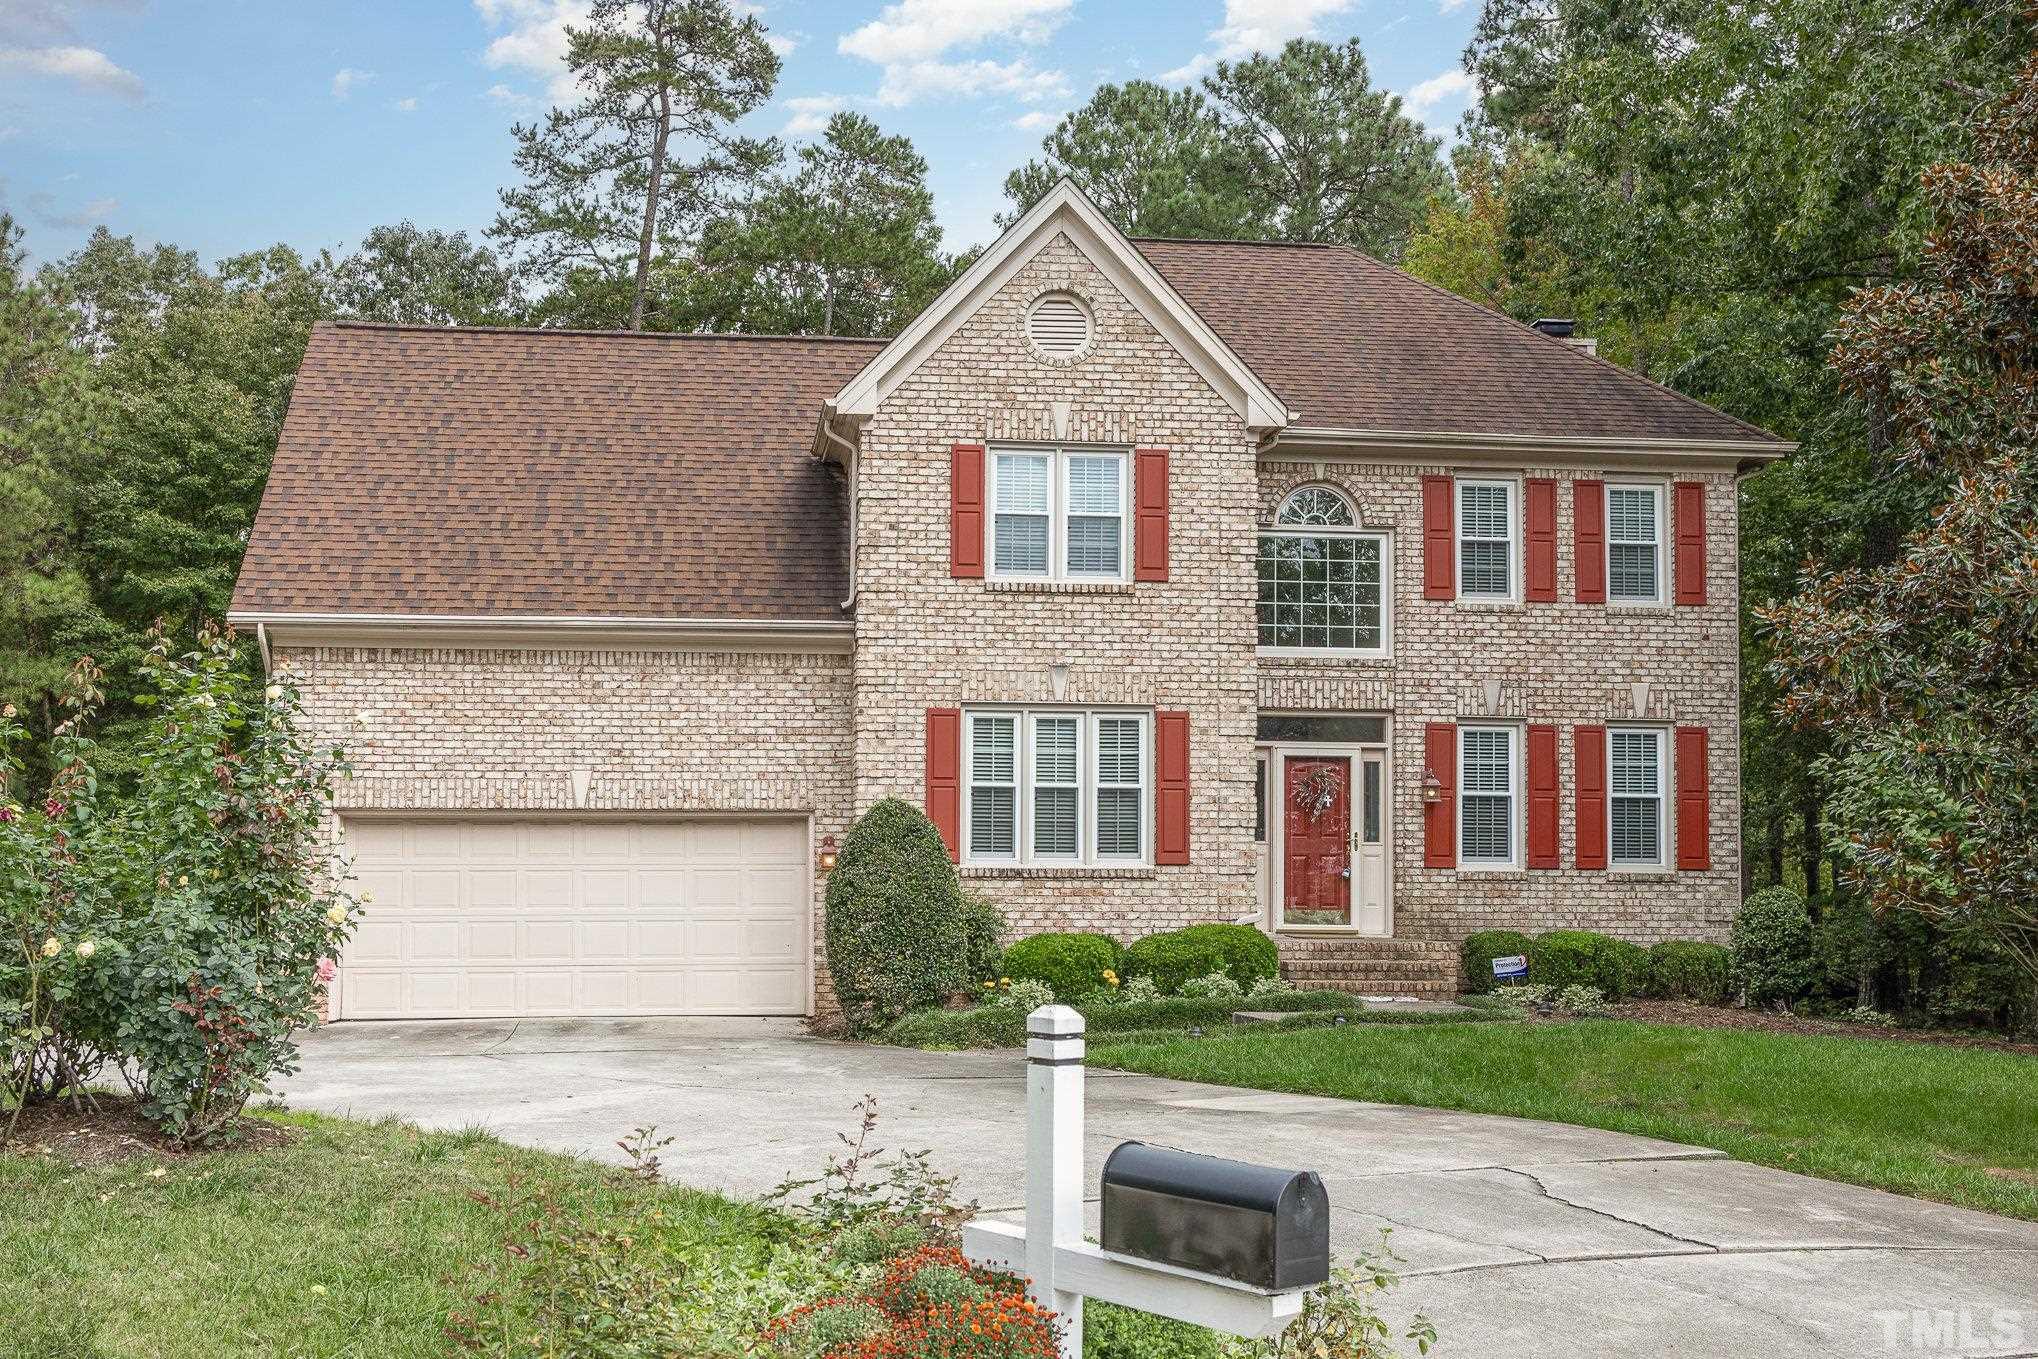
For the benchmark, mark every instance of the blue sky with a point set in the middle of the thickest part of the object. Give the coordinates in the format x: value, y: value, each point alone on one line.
x: 225, y: 125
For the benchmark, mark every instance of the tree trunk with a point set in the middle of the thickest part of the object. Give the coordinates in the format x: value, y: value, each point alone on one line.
x: 1814, y: 850
x: 827, y: 304
x: 1775, y: 846
x: 653, y: 187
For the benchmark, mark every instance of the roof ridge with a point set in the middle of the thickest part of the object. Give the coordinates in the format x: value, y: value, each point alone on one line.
x: 1766, y: 436
x: 1232, y: 240
x: 341, y: 323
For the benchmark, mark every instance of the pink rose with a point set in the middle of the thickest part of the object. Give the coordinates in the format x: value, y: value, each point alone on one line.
x: 325, y: 969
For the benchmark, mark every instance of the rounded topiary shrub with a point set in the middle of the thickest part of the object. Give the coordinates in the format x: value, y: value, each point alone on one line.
x: 1240, y: 952
x: 1564, y: 958
x: 1683, y: 969
x: 1073, y: 964
x: 898, y: 924
x: 1482, y: 947
x: 1773, y: 957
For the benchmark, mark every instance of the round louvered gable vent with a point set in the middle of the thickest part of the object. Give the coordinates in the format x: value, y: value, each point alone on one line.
x: 1058, y: 326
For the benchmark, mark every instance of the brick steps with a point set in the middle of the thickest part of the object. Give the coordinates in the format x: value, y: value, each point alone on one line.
x: 1370, y: 966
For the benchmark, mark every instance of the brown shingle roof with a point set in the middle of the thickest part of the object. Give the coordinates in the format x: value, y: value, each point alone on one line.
x: 425, y: 471
x: 1350, y: 343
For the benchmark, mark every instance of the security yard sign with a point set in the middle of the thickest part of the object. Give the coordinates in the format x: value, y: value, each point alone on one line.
x: 1510, y: 968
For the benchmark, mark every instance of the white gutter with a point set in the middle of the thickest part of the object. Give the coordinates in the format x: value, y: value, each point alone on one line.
x: 537, y: 630
x: 1417, y: 441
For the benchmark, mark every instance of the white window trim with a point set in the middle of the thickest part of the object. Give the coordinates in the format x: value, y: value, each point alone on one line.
x: 1086, y: 784
x: 1354, y: 530
x: 1513, y: 488
x: 1058, y: 457
x: 1516, y: 801
x: 1661, y: 491
x: 1665, y: 782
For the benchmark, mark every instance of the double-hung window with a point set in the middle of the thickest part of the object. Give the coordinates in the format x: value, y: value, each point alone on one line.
x: 1323, y: 583
x: 1634, y: 544
x: 1487, y: 553
x: 1058, y: 786
x: 1635, y: 782
x: 1489, y: 774
x: 1060, y: 513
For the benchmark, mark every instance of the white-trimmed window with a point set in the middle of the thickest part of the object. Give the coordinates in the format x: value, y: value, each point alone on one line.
x: 1634, y: 757
x: 1634, y: 543
x: 1060, y: 513
x: 1058, y: 786
x: 1487, y: 542
x: 1323, y: 581
x: 1489, y: 804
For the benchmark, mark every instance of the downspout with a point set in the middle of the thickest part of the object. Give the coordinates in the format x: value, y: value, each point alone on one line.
x: 262, y: 641
x: 849, y: 467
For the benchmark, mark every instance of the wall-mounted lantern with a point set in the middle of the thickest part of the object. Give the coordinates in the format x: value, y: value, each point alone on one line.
x: 1432, y: 786
x: 827, y: 856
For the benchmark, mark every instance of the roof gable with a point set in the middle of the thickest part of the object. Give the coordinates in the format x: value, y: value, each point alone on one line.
x: 1068, y: 211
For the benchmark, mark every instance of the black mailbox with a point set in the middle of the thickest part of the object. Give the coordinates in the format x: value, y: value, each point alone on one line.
x: 1255, y: 1224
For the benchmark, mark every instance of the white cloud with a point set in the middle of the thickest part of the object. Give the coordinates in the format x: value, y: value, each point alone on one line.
x: 915, y: 41
x: 1036, y: 120
x: 346, y: 78
x: 87, y: 66
x: 1259, y: 26
x: 1440, y: 88
x: 43, y: 207
x: 509, y: 98
x: 782, y: 43
x: 810, y: 113
x: 409, y: 105
x: 1450, y: 6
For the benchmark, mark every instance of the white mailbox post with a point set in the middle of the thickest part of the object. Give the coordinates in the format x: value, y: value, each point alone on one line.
x: 1061, y: 1268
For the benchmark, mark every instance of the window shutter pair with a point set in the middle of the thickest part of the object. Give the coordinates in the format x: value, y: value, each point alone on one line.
x: 1694, y: 797
x: 966, y: 513
x: 1687, y: 507
x: 1171, y: 782
x: 1440, y: 539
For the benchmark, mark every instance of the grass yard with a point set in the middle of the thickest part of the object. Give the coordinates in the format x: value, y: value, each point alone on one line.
x: 1959, y: 1125
x: 353, y: 1240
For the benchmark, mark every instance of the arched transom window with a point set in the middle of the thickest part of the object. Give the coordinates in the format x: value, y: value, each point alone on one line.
x: 1323, y: 580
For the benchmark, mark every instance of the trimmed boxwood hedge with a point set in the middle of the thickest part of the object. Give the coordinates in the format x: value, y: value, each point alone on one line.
x: 898, y: 927
x: 1482, y: 947
x: 1073, y: 964
x: 1624, y: 970
x: 1564, y: 958
x: 1680, y: 969
x: 1238, y: 951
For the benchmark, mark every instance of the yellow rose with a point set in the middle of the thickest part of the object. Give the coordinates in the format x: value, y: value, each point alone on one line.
x: 51, y: 947
x: 336, y: 915
x: 87, y: 948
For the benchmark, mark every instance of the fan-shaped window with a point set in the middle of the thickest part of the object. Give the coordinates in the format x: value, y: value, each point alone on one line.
x: 1317, y: 505
x: 1058, y: 325
x: 1323, y: 582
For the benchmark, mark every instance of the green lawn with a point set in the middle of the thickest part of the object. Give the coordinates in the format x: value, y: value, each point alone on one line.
x: 1955, y: 1124
x: 354, y: 1241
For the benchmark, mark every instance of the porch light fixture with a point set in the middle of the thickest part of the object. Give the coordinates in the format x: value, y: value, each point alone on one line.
x: 1432, y: 786
x: 827, y: 856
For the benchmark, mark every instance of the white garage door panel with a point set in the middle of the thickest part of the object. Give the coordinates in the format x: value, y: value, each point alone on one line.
x: 493, y: 918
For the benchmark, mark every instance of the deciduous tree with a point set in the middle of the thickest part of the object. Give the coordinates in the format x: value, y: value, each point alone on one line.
x: 417, y: 276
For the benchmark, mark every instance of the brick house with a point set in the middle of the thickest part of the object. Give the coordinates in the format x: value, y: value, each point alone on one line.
x: 1178, y: 580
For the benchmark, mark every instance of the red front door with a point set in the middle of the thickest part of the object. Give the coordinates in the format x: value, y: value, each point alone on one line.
x: 1316, y: 856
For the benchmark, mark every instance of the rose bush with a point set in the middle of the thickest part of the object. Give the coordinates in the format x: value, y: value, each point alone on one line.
x: 207, y: 891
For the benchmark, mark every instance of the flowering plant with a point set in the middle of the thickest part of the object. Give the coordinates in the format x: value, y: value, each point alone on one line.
x: 929, y: 1302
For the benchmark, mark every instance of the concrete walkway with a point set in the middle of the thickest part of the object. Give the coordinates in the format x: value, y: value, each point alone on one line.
x: 1522, y: 1238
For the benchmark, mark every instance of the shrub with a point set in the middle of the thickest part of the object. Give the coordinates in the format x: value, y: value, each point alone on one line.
x: 1024, y: 995
x: 1482, y: 947
x: 1625, y: 970
x: 1564, y: 958
x: 1215, y: 986
x: 1113, y: 1332
x: 1526, y: 996
x: 1073, y: 964
x: 1268, y: 986
x: 1582, y: 1000
x: 998, y: 1026
x: 1138, y: 990
x: 898, y: 931
x: 1240, y: 952
x: 1683, y: 969
x: 931, y: 1302
x: 1772, y: 952
x: 815, y: 1330
x: 983, y: 930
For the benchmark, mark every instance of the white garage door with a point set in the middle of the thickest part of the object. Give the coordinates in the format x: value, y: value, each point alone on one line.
x: 533, y: 917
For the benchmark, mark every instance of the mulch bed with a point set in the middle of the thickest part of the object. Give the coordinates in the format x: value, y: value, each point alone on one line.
x: 116, y: 1131
x: 1723, y: 1017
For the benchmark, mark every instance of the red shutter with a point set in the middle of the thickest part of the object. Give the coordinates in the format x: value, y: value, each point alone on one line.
x: 1440, y: 818
x: 1150, y: 515
x: 1588, y: 532
x: 1439, y: 540
x: 966, y: 510
x: 1171, y: 788
x: 944, y: 775
x: 1541, y: 498
x: 1542, y: 795
x: 1689, y: 515
x: 1694, y: 800
x: 1588, y: 775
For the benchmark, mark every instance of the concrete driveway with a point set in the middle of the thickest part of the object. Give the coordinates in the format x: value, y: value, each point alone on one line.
x: 1522, y: 1238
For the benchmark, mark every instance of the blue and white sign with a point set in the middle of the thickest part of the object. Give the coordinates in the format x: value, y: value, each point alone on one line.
x: 1512, y: 966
